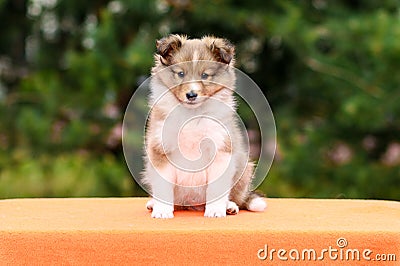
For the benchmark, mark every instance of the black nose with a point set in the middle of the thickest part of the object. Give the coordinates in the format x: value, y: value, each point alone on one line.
x: 191, y: 96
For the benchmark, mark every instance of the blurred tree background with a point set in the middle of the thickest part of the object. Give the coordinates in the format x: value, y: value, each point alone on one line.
x: 329, y: 68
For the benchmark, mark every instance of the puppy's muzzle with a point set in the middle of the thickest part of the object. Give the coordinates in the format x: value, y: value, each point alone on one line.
x: 191, y: 96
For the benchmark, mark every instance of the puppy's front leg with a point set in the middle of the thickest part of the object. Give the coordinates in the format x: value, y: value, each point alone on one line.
x: 162, y: 191
x: 220, y: 178
x: 216, y: 208
x: 162, y: 210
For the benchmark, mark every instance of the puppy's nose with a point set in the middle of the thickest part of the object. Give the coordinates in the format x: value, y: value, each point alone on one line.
x: 191, y: 96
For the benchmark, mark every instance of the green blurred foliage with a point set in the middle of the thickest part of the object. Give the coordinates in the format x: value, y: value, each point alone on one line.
x: 328, y: 68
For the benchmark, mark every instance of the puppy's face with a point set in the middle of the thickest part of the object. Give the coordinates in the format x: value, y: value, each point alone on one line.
x: 195, y: 70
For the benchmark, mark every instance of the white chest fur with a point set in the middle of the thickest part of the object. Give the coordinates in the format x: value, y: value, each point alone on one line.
x: 192, y: 133
x: 192, y: 139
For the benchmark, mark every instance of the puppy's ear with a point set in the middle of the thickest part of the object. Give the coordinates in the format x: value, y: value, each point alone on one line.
x: 222, y: 49
x: 167, y: 46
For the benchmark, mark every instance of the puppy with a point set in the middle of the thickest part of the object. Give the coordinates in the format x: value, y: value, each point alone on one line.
x: 195, y: 152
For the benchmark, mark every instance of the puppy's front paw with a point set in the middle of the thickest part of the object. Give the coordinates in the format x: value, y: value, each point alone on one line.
x: 162, y: 210
x: 215, y: 210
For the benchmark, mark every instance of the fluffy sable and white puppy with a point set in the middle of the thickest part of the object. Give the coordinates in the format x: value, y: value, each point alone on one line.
x: 196, y: 154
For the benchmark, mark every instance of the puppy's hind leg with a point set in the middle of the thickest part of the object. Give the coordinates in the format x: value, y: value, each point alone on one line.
x: 150, y: 204
x: 232, y: 208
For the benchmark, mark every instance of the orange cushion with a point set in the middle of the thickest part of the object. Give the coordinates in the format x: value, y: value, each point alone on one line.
x: 120, y: 231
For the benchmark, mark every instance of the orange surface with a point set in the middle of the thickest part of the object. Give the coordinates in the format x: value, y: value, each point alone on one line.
x: 120, y: 231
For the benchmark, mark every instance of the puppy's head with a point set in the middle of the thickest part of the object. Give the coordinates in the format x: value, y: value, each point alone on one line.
x: 195, y: 69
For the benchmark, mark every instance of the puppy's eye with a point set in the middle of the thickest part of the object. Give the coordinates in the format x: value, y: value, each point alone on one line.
x: 181, y: 74
x: 204, y: 76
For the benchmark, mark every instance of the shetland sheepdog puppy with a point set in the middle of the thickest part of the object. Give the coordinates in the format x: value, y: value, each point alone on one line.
x: 195, y: 152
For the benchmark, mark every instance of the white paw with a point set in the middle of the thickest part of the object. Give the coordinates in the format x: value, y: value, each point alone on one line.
x: 215, y: 210
x: 150, y: 204
x: 232, y: 208
x: 257, y: 205
x: 162, y: 210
